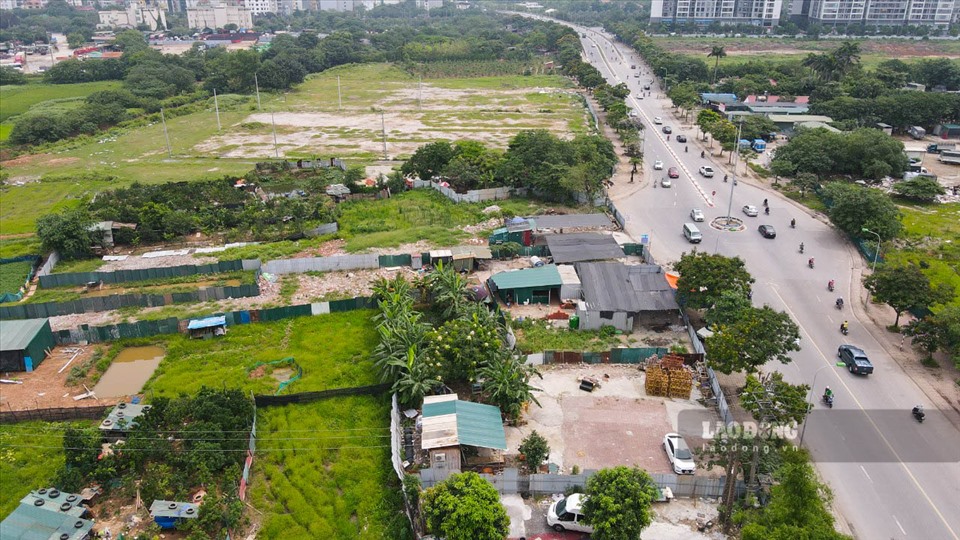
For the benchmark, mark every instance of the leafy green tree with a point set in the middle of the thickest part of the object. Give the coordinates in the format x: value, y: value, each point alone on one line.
x: 429, y: 160
x: 759, y: 336
x: 416, y: 378
x: 729, y: 308
x: 465, y: 507
x: 775, y: 401
x: 940, y: 330
x: 906, y: 287
x: 506, y: 384
x: 854, y: 208
x: 38, y: 128
x: 232, y: 72
x: 921, y: 189
x: 757, y: 127
x: 535, y: 450
x: 618, y: 503
x: 706, y: 119
x: 8, y: 75
x: 704, y: 278
x: 158, y: 81
x: 460, y: 347
x: 75, y: 40
x: 539, y: 160
x: 684, y: 96
x: 67, y: 233
x: 131, y: 41
x: 798, y: 508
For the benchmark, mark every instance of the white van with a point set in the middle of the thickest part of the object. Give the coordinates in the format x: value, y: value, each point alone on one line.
x: 692, y: 233
x: 567, y: 515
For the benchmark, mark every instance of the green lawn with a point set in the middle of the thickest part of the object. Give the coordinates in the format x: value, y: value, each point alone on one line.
x: 30, y: 454
x: 17, y: 99
x: 13, y: 276
x: 333, y: 350
x: 5, y: 129
x: 536, y: 336
x: 15, y: 247
x: 323, y: 471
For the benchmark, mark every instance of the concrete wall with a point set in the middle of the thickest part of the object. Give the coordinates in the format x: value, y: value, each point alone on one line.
x: 591, y: 320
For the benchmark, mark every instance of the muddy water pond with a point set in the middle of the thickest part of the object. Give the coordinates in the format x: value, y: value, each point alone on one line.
x: 129, y: 371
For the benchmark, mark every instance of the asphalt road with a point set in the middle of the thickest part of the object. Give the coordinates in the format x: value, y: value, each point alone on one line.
x: 891, y: 476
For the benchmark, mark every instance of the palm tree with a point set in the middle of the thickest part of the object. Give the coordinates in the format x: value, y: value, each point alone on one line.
x: 824, y: 65
x: 506, y: 384
x: 846, y: 56
x: 717, y: 52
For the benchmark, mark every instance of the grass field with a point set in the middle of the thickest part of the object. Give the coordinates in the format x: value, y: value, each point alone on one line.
x: 15, y: 247
x: 13, y: 276
x: 30, y: 454
x: 323, y: 471
x: 5, y: 129
x: 932, y: 236
x: 17, y: 99
x: 333, y: 350
x: 308, y: 123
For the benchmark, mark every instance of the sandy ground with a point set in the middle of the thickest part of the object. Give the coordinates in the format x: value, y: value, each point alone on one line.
x: 44, y: 388
x: 406, y: 127
x: 616, y: 424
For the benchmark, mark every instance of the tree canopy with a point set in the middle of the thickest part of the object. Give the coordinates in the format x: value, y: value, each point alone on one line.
x: 906, y: 287
x: 465, y: 507
x: 618, y: 503
x: 758, y: 336
x: 67, y: 233
x: 705, y: 277
x: 853, y: 208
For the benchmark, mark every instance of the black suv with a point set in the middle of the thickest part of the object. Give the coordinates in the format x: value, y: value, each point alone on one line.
x: 855, y: 359
x: 681, y: 138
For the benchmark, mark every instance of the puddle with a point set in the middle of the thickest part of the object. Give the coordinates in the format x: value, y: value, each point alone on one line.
x: 129, y: 372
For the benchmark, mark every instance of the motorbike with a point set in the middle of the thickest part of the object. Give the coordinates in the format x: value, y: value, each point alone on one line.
x: 702, y: 153
x: 801, y: 247
x: 918, y: 413
x: 810, y: 262
x: 766, y: 210
x: 827, y: 400
x: 844, y: 330
x: 686, y: 148
x: 793, y: 224
x: 830, y: 285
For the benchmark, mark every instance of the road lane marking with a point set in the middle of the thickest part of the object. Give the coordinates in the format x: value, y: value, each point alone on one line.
x: 899, y: 525
x: 876, y: 428
x: 865, y: 473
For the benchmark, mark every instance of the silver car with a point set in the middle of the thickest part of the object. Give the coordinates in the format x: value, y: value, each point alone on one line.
x: 696, y: 214
x: 750, y: 210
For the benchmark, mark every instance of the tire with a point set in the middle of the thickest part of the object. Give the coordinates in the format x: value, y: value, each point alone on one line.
x: 558, y: 527
x: 852, y: 370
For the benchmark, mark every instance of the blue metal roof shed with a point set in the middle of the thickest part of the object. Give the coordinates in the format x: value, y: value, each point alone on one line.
x: 167, y: 513
x: 209, y: 322
x: 448, y: 421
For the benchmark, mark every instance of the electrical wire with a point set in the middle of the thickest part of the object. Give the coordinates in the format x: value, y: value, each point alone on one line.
x: 121, y: 449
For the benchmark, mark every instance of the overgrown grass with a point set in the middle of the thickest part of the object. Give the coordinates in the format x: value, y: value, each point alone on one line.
x: 333, y: 350
x: 17, y: 99
x: 5, y: 130
x: 932, y: 240
x: 13, y: 276
x: 323, y: 471
x: 271, y: 250
x: 30, y: 454
x: 537, y: 336
x: 179, y: 284
x: 78, y: 265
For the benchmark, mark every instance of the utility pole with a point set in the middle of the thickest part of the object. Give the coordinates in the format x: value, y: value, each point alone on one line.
x: 420, y: 93
x: 276, y: 149
x: 383, y: 130
x: 166, y: 136
x: 257, y: 84
x: 339, y: 96
x: 216, y: 106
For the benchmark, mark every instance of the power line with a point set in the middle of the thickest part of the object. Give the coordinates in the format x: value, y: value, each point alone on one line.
x: 121, y: 449
x: 95, y: 429
x: 239, y: 439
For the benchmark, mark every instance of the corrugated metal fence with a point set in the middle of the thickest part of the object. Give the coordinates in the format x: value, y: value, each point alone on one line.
x: 512, y: 482
x: 722, y: 408
x: 122, y: 276
x: 321, y: 264
x: 95, y: 304
x: 613, y: 356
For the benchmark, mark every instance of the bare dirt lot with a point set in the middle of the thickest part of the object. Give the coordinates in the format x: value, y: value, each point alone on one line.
x: 616, y: 424
x: 44, y: 388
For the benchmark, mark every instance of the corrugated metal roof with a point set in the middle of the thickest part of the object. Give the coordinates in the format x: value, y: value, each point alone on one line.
x: 568, y: 274
x: 173, y: 509
x: 29, y: 522
x: 576, y: 247
x: 16, y: 335
x: 57, y: 501
x: 209, y: 322
x: 544, y: 276
x: 477, y: 252
x: 572, y: 220
x: 614, y: 286
x: 448, y: 421
x: 123, y: 417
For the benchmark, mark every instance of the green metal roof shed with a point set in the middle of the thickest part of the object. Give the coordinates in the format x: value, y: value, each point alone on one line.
x: 448, y: 421
x: 45, y: 515
x: 529, y: 284
x: 24, y: 343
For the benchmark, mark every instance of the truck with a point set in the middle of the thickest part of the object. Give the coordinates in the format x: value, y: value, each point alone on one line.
x: 950, y: 156
x: 936, y: 148
x: 917, y: 132
x: 759, y: 145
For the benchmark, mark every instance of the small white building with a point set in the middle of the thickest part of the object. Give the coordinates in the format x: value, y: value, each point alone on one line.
x: 219, y: 16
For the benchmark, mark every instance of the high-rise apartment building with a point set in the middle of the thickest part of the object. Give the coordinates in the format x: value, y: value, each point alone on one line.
x: 704, y: 12
x: 881, y: 12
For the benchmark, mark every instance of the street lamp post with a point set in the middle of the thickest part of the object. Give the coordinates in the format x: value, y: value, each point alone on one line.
x: 809, y: 395
x: 877, y: 252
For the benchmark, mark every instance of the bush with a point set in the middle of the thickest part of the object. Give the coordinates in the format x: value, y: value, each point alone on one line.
x: 534, y: 447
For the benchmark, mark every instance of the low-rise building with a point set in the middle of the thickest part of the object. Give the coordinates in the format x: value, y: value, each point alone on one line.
x: 619, y: 295
x: 133, y: 17
x: 46, y: 514
x: 214, y: 17
x: 24, y: 344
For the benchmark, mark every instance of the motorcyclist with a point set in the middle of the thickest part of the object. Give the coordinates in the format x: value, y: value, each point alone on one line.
x: 810, y: 262
x: 668, y: 137
x: 702, y: 153
x: 793, y: 223
x: 686, y: 148
x: 845, y: 326
x: 828, y: 394
x: 724, y: 178
x: 765, y: 205
x: 766, y: 210
x: 918, y: 411
x: 831, y: 284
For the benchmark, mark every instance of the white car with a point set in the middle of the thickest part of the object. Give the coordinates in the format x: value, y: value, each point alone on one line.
x: 679, y: 454
x: 750, y: 210
x: 706, y: 171
x: 696, y: 214
x: 658, y: 165
x: 657, y: 120
x: 665, y: 182
x: 632, y: 114
x: 567, y: 515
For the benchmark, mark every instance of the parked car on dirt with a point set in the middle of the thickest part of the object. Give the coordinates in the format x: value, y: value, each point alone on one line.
x: 679, y: 454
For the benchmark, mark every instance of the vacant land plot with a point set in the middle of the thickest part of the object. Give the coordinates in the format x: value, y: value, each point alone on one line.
x: 17, y: 99
x: 333, y: 350
x: 13, y: 275
x: 932, y: 236
x: 323, y: 471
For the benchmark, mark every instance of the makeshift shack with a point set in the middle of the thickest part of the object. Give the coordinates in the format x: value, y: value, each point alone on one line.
x: 527, y: 286
x: 208, y: 327
x: 47, y: 513
x: 167, y: 514
x: 24, y: 343
x: 462, y: 435
x: 468, y: 258
x: 519, y: 230
x: 577, y: 247
x: 618, y: 295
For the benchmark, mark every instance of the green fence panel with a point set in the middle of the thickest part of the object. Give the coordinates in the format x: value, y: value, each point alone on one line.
x: 591, y: 358
x: 395, y: 260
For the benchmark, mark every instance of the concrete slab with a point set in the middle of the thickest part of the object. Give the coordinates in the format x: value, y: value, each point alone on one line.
x: 518, y: 512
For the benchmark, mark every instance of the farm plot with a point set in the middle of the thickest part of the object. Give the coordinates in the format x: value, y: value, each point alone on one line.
x: 13, y: 275
x: 323, y: 471
x: 333, y: 350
